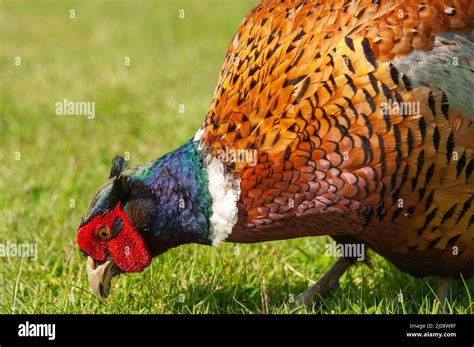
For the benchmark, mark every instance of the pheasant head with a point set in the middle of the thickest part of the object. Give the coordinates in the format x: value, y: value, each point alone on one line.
x: 142, y: 212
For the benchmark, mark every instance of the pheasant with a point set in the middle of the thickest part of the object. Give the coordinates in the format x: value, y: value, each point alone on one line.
x: 352, y: 119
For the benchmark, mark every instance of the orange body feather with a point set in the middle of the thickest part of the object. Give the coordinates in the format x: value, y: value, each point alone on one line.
x: 346, y: 144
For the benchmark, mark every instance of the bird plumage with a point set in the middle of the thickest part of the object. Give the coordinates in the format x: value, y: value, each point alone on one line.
x: 309, y: 85
x: 358, y: 130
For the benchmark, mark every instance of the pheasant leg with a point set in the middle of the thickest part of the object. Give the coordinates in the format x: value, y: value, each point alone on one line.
x: 327, y: 283
x: 443, y: 289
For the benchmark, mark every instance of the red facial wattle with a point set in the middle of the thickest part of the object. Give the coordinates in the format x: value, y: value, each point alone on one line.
x: 127, y: 248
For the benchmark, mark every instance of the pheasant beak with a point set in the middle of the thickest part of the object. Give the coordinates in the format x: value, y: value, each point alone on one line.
x: 100, y: 276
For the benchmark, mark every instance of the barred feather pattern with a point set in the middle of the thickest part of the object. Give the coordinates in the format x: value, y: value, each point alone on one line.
x: 311, y: 86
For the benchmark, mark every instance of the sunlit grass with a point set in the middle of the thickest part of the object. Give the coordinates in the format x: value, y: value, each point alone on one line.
x: 65, y: 158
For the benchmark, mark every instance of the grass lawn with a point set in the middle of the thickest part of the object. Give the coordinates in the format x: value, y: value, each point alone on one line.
x: 52, y: 165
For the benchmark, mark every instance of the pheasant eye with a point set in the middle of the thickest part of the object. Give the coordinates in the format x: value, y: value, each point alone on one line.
x: 103, y: 233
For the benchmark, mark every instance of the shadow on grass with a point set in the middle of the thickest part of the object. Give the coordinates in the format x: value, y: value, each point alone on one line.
x: 360, y: 291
